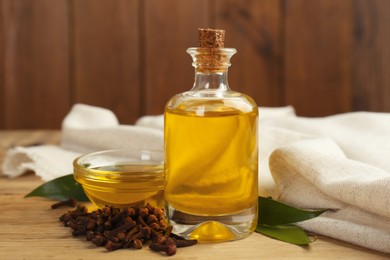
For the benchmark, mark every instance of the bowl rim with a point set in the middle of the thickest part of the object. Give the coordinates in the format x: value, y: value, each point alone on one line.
x: 84, y: 172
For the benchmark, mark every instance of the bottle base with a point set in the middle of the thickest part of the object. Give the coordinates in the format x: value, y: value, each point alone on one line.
x: 213, y: 228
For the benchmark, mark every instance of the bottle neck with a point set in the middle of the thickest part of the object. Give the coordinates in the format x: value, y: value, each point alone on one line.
x: 211, y: 67
x: 211, y: 81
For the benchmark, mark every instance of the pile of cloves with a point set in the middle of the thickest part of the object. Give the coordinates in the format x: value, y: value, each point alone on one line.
x: 131, y: 227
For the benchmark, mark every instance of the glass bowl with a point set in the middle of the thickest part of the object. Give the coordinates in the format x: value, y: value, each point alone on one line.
x: 122, y: 178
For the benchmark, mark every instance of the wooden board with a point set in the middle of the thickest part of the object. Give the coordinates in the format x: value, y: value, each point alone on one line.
x: 170, y: 27
x: 321, y: 56
x: 317, y: 56
x: 30, y: 229
x: 105, y: 56
x: 35, y: 56
x: 371, y: 55
x: 254, y: 28
x: 2, y: 67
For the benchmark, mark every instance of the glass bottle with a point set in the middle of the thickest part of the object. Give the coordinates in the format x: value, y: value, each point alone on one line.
x: 211, y: 160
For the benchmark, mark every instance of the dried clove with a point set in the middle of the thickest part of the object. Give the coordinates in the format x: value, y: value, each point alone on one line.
x: 98, y: 240
x: 185, y: 242
x: 169, y: 242
x: 137, y: 244
x: 111, y: 246
x: 69, y: 202
x: 168, y: 249
x: 128, y: 228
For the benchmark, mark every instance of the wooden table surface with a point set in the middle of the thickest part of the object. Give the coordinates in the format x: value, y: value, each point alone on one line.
x: 30, y: 229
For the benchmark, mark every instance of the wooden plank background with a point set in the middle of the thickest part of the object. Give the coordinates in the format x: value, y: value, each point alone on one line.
x: 321, y: 56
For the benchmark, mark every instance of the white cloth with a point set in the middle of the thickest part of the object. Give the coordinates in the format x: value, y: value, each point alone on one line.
x: 47, y: 161
x: 338, y: 162
x: 85, y: 129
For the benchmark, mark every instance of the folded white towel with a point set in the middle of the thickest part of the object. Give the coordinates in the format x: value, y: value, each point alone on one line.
x: 47, y: 161
x: 88, y: 128
x: 338, y: 162
x: 316, y: 174
x: 85, y: 129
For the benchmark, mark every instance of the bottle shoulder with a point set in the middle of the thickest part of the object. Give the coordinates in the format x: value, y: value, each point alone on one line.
x: 209, y: 102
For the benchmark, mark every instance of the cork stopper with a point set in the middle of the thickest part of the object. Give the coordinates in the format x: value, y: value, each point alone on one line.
x: 211, y: 56
x: 211, y: 38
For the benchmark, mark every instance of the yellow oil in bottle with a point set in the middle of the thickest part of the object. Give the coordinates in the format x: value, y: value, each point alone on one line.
x: 210, y: 136
x: 211, y: 156
x: 124, y: 185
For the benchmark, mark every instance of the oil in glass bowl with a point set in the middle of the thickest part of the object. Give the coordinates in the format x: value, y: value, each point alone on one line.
x: 122, y: 178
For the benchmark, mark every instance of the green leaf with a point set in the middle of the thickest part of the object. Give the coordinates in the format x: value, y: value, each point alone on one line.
x: 61, y: 188
x: 288, y: 233
x: 274, y: 213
